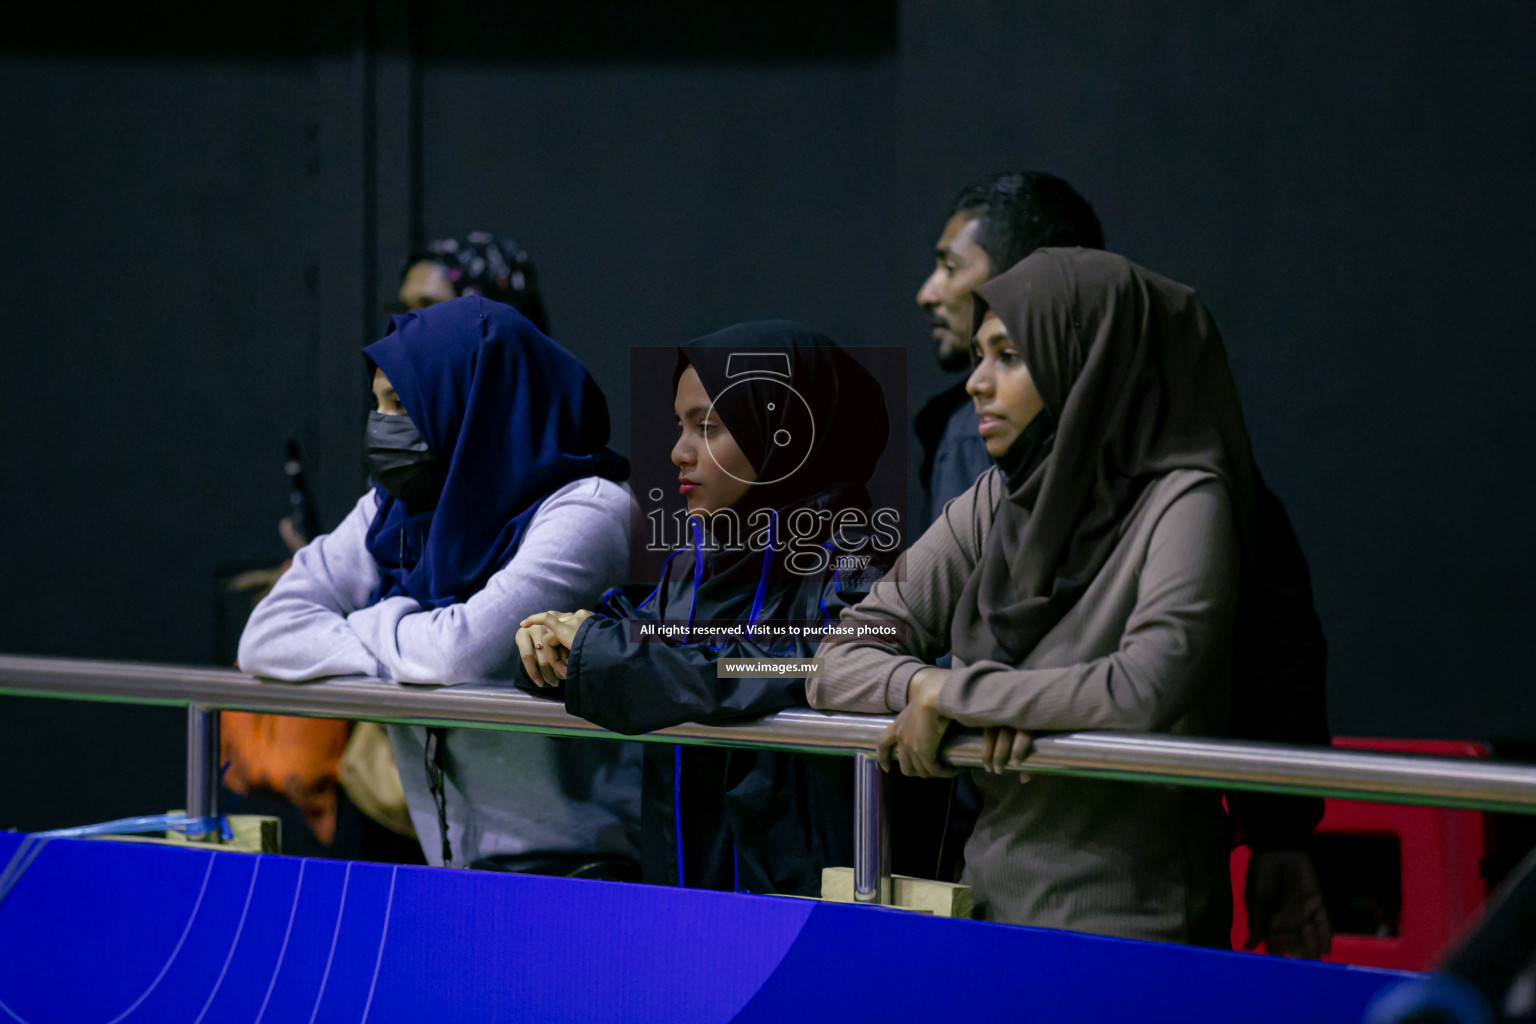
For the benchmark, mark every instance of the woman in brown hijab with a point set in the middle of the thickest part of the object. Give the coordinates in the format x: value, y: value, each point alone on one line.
x: 1098, y: 578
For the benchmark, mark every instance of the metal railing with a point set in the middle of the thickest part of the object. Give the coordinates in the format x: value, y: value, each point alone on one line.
x: 1227, y: 764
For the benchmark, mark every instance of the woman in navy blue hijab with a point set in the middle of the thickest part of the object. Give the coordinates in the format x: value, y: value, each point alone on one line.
x: 495, y: 497
x: 502, y: 416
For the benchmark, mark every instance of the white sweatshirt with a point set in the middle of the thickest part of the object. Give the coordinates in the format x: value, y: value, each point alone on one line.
x: 506, y: 792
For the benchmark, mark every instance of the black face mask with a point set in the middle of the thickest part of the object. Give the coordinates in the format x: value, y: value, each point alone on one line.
x: 398, y: 459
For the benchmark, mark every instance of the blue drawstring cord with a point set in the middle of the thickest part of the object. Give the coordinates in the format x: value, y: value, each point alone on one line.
x: 698, y: 577
x: 666, y: 568
x: 762, y: 577
x: 837, y: 584
x: 752, y: 616
x: 677, y: 751
x: 693, y: 601
x: 677, y: 806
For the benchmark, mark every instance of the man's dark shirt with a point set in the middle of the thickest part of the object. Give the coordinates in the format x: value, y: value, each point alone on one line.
x: 954, y: 454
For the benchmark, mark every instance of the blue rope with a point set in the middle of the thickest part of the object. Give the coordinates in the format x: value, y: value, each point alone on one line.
x: 178, y: 822
x: 33, y: 843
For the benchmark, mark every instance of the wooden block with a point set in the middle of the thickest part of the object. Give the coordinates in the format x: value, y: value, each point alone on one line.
x: 942, y: 899
x: 252, y: 834
x: 923, y: 895
x: 837, y: 886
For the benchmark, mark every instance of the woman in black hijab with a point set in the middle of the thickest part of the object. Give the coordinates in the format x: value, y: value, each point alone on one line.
x: 779, y: 431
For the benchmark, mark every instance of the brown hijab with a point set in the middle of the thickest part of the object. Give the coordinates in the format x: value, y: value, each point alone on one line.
x: 1134, y: 374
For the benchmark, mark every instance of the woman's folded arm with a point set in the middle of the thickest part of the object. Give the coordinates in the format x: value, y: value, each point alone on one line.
x: 299, y: 630
x: 1173, y: 640
x: 633, y: 685
x: 870, y: 675
x: 576, y: 545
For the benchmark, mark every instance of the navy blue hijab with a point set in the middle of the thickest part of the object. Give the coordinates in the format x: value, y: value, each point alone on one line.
x: 508, y: 415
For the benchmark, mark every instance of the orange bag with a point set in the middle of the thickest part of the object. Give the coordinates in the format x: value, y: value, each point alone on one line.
x: 297, y: 758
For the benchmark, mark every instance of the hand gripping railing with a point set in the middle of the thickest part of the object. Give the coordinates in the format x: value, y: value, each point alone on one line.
x: 1225, y: 764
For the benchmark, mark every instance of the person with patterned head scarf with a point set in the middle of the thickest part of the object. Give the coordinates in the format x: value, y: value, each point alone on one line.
x: 480, y: 263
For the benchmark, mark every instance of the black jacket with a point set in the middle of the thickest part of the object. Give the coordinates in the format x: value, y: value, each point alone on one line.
x: 812, y: 422
x: 730, y: 819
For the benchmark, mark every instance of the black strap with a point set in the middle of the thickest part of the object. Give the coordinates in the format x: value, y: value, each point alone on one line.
x: 949, y: 820
x: 436, y: 758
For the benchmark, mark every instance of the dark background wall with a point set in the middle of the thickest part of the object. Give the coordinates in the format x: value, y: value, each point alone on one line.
x: 205, y: 221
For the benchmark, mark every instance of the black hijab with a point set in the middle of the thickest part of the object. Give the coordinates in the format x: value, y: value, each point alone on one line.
x: 809, y: 418
x: 806, y: 414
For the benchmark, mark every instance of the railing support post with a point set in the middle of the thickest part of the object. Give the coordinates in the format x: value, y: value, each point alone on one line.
x: 871, y: 832
x: 203, y: 766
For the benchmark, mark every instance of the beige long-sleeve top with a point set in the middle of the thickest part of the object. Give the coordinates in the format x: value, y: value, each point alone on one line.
x: 1148, y: 648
